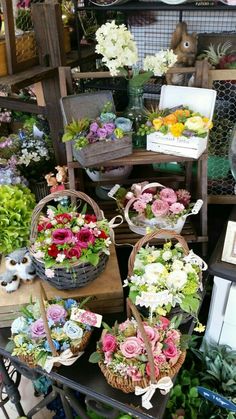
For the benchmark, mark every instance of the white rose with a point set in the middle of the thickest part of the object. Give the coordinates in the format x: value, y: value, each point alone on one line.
x: 72, y: 330
x: 177, y: 265
x: 167, y: 255
x: 138, y: 264
x: 19, y: 325
x: 155, y: 268
x: 176, y: 279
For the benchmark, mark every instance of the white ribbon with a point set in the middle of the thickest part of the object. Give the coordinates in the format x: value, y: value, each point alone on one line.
x: 66, y: 358
x: 196, y: 260
x: 112, y: 225
x: 164, y: 385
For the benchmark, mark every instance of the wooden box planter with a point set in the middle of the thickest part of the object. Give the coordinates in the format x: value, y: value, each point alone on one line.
x: 102, y: 151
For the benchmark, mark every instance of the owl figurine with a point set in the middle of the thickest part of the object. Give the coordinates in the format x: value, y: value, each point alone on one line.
x: 20, y: 263
x: 9, y: 281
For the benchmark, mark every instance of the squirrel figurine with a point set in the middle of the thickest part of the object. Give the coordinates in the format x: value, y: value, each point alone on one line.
x: 184, y: 46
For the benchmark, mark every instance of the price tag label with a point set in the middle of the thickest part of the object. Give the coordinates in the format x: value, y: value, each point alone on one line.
x: 216, y: 399
x: 86, y: 317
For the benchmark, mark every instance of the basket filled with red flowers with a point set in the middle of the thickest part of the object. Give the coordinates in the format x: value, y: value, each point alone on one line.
x: 69, y: 248
x: 139, y: 356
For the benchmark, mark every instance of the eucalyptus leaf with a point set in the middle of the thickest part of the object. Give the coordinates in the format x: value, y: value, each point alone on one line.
x: 95, y: 357
x: 10, y: 346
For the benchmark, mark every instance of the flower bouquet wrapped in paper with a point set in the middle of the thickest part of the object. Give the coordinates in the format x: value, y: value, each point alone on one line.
x: 69, y: 248
x: 165, y: 279
x: 51, y: 333
x: 149, y: 206
x: 140, y: 355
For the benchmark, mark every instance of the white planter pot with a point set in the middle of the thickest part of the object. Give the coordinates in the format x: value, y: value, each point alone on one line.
x: 121, y: 173
x: 140, y: 225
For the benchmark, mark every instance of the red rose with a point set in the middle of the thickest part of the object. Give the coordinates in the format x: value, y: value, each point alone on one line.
x: 63, y: 218
x: 40, y: 227
x: 102, y: 235
x: 73, y: 252
x: 90, y: 218
x: 44, y: 226
x: 53, y: 251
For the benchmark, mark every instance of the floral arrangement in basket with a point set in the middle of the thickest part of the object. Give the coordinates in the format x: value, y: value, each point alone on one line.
x: 180, y: 122
x: 68, y: 243
x: 167, y: 278
x: 140, y: 355
x: 150, y: 205
x: 49, y: 333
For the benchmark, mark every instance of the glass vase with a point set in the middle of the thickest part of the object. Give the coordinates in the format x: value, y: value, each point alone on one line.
x: 232, y: 154
x: 136, y: 113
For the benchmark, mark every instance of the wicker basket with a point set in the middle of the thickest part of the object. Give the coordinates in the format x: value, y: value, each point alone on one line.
x: 126, y: 384
x: 146, y: 239
x: 29, y: 360
x: 79, y: 274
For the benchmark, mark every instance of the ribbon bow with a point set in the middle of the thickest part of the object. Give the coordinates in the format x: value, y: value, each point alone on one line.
x: 164, y: 385
x: 66, y: 358
x: 195, y: 259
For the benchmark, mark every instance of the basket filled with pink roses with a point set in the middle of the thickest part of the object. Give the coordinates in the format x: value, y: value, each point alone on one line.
x: 69, y: 247
x: 148, y: 206
x: 138, y: 355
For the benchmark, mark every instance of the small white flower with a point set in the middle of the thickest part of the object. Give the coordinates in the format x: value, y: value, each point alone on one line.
x: 108, y: 242
x: 54, y: 222
x: 39, y: 254
x: 91, y: 225
x: 177, y: 265
x: 60, y: 257
x: 167, y: 255
x: 176, y: 280
x: 80, y: 220
x: 50, y: 213
x: 49, y: 273
x: 75, y: 229
x: 48, y: 240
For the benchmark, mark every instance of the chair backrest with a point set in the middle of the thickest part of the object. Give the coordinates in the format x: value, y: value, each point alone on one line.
x: 84, y: 105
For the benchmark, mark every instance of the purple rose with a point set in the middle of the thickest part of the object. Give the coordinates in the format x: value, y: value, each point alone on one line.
x: 109, y: 127
x: 62, y: 235
x: 92, y: 137
x: 94, y: 127
x: 101, y: 133
x: 37, y: 329
x: 56, y: 313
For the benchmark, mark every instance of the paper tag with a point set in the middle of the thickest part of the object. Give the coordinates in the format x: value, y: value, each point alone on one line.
x: 86, y: 317
x: 216, y: 399
x: 113, y: 191
x: 153, y: 300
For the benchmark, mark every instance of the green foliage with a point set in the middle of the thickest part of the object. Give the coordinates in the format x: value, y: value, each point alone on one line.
x: 17, y: 203
x: 75, y: 128
x: 139, y: 80
x: 95, y: 357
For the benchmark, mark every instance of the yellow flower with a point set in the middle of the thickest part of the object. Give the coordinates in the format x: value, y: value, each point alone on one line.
x: 177, y: 129
x: 200, y: 328
x: 194, y: 123
x: 208, y: 123
x: 119, y: 133
x: 150, y: 258
x: 157, y: 123
x: 161, y: 311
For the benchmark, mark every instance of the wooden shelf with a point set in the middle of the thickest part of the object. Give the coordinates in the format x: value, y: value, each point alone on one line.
x: 157, y: 5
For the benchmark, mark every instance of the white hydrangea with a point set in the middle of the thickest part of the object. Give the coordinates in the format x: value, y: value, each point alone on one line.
x: 117, y: 46
x: 160, y: 62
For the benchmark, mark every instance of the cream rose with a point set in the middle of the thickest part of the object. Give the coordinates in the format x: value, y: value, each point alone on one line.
x: 194, y: 123
x: 176, y: 279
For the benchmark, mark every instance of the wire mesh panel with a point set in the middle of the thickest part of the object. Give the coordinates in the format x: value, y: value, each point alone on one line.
x: 25, y: 38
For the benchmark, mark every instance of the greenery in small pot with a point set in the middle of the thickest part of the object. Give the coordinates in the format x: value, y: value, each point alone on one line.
x: 17, y: 203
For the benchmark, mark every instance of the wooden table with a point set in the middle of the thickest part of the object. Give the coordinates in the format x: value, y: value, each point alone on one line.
x: 106, y: 292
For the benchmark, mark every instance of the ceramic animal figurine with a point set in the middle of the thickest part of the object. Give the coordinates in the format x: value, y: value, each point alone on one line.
x: 9, y: 281
x: 184, y: 46
x: 20, y: 263
x: 51, y: 180
x: 61, y: 175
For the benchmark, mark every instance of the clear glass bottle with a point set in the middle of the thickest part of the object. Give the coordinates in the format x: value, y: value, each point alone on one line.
x: 135, y: 112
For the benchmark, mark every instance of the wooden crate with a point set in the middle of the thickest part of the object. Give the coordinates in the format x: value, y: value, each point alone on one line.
x: 106, y: 292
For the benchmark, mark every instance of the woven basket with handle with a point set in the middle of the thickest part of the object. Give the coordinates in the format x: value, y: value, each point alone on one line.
x: 79, y: 274
x: 28, y: 359
x: 126, y: 384
x: 168, y: 234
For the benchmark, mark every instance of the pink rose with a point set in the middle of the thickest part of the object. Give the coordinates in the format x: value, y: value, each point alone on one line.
x: 139, y: 206
x: 151, y: 333
x: 160, y: 208
x: 109, y: 343
x: 85, y: 237
x: 164, y: 322
x: 174, y: 335
x: 146, y: 197
x: 124, y: 325
x: 134, y: 373
x: 73, y: 252
x: 148, y: 370
x: 168, y: 195
x: 159, y: 359
x: 131, y: 347
x: 171, y: 351
x: 62, y: 235
x: 37, y: 329
x: 177, y: 208
x: 56, y: 313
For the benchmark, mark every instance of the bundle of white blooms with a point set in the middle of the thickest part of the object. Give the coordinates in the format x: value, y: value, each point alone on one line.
x: 117, y: 46
x: 119, y: 51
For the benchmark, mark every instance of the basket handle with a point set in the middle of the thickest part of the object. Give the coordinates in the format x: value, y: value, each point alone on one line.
x: 42, y: 298
x: 155, y: 234
x: 67, y: 192
x: 138, y: 319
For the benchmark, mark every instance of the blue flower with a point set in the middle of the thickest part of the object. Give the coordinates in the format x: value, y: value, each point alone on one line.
x: 30, y: 321
x: 65, y: 346
x: 30, y: 347
x: 70, y: 302
x: 55, y: 343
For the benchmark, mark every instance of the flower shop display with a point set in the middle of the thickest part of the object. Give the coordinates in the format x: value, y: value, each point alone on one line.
x: 69, y: 248
x: 147, y: 206
x: 140, y: 355
x: 48, y: 333
x: 17, y: 203
x: 165, y: 279
x: 181, y: 126
x: 98, y: 140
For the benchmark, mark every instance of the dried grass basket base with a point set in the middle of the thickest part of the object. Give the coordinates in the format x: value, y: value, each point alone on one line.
x: 29, y: 360
x: 126, y: 385
x: 75, y: 277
